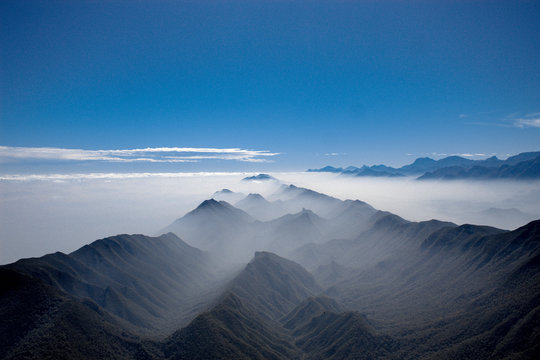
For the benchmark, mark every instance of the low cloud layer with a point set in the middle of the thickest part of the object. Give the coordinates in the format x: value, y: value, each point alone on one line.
x: 45, y: 213
x: 160, y: 155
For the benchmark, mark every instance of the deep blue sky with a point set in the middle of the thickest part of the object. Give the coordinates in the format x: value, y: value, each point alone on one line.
x: 370, y: 81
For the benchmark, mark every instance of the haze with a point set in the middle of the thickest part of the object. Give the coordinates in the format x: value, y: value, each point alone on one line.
x: 62, y: 213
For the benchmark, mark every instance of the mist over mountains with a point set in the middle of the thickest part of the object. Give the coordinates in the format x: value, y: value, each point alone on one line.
x: 297, y: 274
x: 522, y: 166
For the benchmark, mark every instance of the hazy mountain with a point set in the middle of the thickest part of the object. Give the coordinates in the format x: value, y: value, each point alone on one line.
x: 466, y: 277
x: 373, y: 171
x: 215, y: 226
x: 294, y: 199
x: 228, y: 195
x: 291, y: 231
x: 260, y: 208
x: 243, y: 324
x: 381, y: 287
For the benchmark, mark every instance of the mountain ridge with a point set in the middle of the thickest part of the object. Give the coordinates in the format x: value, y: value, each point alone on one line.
x: 521, y: 166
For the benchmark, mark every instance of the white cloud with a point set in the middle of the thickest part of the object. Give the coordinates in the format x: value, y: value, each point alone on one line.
x: 162, y: 154
x: 527, y: 122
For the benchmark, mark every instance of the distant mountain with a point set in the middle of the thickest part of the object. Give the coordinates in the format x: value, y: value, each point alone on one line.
x: 294, y: 199
x: 228, y: 195
x: 327, y: 169
x: 528, y: 169
x: 374, y: 171
x: 260, y: 177
x: 291, y: 231
x: 260, y: 208
x: 521, y: 166
x: 364, y: 171
x: 214, y: 226
x: 503, y: 217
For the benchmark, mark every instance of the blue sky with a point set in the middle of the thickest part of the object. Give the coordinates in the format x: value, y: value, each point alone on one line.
x: 286, y: 84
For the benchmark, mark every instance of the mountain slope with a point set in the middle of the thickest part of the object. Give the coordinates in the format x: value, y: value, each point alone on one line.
x: 243, y: 323
x: 41, y: 322
x: 150, y: 282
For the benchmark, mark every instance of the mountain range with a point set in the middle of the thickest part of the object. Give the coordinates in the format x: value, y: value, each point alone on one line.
x: 296, y: 275
x: 521, y: 166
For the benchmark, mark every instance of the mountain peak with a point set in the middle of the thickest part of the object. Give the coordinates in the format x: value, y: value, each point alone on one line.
x: 209, y: 203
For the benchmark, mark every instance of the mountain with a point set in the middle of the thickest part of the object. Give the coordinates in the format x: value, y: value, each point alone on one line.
x: 291, y: 231
x: 151, y: 283
x: 380, y: 287
x: 480, y: 283
x: 521, y: 166
x: 528, y: 169
x: 503, y: 217
x: 243, y: 324
x: 327, y: 169
x: 228, y: 196
x: 260, y: 208
x: 260, y: 177
x: 309, y: 309
x: 269, y: 312
x: 374, y: 171
x: 294, y: 199
x: 42, y: 322
x: 340, y: 336
x: 215, y: 226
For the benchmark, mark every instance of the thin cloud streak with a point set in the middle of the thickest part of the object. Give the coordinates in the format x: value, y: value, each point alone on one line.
x: 160, y: 155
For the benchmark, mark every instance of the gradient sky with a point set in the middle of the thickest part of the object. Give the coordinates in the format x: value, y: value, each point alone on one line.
x: 319, y: 82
